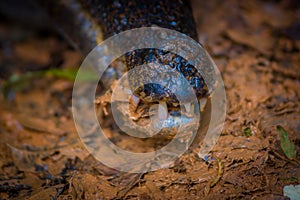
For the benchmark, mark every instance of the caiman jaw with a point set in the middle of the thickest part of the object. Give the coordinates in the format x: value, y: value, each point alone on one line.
x: 141, y: 109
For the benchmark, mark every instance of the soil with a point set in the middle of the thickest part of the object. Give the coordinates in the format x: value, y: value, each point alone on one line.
x: 255, y: 44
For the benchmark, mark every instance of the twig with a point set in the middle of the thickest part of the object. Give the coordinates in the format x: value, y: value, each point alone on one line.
x: 218, y: 178
x: 294, y: 161
x: 220, y: 172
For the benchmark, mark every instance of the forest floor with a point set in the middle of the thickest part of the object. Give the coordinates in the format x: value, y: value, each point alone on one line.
x: 255, y: 44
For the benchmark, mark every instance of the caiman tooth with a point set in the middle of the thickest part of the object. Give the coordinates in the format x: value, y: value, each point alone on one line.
x: 135, y: 100
x: 162, y: 110
x: 187, y: 107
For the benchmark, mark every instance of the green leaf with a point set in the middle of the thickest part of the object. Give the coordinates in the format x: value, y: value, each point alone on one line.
x: 247, y: 132
x: 18, y: 82
x: 292, y: 179
x: 68, y: 74
x: 71, y: 74
x: 287, y: 146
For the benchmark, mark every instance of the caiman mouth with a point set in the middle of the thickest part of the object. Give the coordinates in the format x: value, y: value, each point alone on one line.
x: 138, y: 116
x: 158, y: 83
x: 139, y: 109
x: 161, y: 82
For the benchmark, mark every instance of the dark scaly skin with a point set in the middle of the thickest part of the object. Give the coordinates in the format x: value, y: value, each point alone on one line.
x: 73, y: 22
x: 116, y: 16
x: 155, y: 92
x: 121, y: 15
x: 82, y: 20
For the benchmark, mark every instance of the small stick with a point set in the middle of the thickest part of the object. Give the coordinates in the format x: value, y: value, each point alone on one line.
x: 220, y: 172
x: 218, y: 178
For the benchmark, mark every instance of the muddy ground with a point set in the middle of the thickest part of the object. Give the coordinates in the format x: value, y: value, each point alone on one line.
x: 256, y: 45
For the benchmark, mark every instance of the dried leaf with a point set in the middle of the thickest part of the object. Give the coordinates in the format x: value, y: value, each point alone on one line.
x: 26, y: 160
x: 40, y: 125
x: 47, y: 193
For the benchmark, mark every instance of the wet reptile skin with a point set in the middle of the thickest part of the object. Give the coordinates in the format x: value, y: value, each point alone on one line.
x: 121, y: 15
x: 115, y: 16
